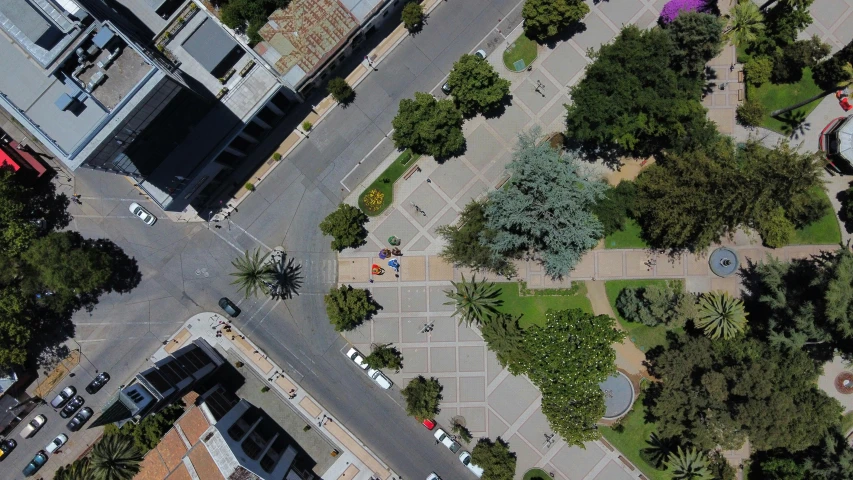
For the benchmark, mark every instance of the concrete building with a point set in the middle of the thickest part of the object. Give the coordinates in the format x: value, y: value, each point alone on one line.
x: 159, y: 90
x: 159, y: 386
x: 308, y: 38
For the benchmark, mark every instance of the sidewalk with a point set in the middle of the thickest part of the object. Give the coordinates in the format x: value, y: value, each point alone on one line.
x: 355, y: 461
x: 322, y: 109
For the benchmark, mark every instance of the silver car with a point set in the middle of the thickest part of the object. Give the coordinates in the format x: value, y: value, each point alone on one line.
x: 56, y: 443
x: 143, y: 214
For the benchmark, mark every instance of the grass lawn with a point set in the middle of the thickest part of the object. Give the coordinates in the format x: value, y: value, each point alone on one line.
x: 629, y: 237
x: 533, y: 304
x: 536, y: 473
x: 384, y: 184
x: 825, y: 231
x: 522, y: 49
x: 644, y: 337
x: 633, y: 438
x: 774, y: 97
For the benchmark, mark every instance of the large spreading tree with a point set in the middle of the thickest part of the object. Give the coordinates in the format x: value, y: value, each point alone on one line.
x: 546, y: 209
x: 547, y: 18
x: 465, y: 242
x: 495, y: 458
x: 349, y: 307
x: 429, y: 126
x: 690, y: 199
x: 47, y: 272
x: 346, y: 227
x: 719, y: 393
x: 632, y: 99
x: 476, y: 86
x: 567, y: 359
x: 804, y: 304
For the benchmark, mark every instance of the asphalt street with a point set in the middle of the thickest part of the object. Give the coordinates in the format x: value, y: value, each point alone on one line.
x: 186, y: 266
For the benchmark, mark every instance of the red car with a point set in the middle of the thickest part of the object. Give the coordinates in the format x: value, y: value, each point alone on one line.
x: 429, y: 424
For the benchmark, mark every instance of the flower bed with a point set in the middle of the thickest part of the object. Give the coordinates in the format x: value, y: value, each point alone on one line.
x: 380, y: 194
x: 840, y: 385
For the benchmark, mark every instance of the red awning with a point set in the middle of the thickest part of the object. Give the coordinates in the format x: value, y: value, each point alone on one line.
x: 28, y: 157
x: 7, y: 161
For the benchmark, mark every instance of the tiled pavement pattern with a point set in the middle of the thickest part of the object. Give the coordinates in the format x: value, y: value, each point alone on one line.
x: 491, y: 401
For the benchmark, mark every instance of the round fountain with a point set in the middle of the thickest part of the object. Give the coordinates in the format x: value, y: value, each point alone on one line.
x: 723, y: 262
x: 618, y: 395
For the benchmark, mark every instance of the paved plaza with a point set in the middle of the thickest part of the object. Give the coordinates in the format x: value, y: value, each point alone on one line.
x: 490, y: 400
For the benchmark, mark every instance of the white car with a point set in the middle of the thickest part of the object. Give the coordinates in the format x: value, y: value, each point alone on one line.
x: 33, y: 426
x: 480, y: 53
x: 142, y: 213
x: 357, y: 358
x: 465, y: 458
x: 56, y: 443
x: 433, y: 476
x: 446, y: 440
x: 379, y: 378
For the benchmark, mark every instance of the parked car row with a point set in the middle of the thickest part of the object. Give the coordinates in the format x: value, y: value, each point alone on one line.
x: 375, y: 375
x: 455, y: 447
x: 69, y: 403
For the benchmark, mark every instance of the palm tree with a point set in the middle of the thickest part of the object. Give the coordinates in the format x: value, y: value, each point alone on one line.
x: 115, y: 458
x: 720, y: 315
x: 77, y: 470
x: 746, y: 22
x: 285, y: 277
x: 659, y: 450
x: 476, y: 302
x: 252, y: 273
x: 688, y: 465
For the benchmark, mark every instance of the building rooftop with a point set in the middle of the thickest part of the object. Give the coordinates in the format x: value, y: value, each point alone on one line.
x: 209, y: 45
x: 38, y: 27
x: 300, y: 37
x: 70, y: 101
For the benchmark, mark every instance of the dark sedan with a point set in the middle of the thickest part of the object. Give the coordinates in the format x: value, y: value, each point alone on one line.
x: 72, y: 407
x: 97, y: 383
x: 229, y: 307
x: 35, y: 464
x: 82, y: 417
x: 6, y: 447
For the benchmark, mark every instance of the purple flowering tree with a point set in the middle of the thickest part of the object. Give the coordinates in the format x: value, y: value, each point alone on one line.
x: 674, y: 7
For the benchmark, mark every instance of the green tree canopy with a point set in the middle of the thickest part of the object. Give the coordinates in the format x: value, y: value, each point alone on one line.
x: 422, y: 397
x: 567, y: 359
x: 690, y: 199
x: 495, y: 458
x: 697, y: 38
x: 505, y: 338
x: 657, y: 304
x: 632, y: 98
x: 546, y: 18
x: 804, y: 304
x: 719, y: 393
x: 346, y: 227
x: 340, y: 90
x: 746, y: 23
x: 465, y: 242
x: 476, y: 86
x: 546, y: 209
x: 349, y: 307
x: 616, y: 206
x: 429, y: 126
x: 413, y: 16
x: 384, y: 356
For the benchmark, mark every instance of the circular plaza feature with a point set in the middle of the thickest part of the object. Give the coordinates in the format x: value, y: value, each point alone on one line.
x: 844, y: 383
x: 723, y: 262
x: 618, y: 395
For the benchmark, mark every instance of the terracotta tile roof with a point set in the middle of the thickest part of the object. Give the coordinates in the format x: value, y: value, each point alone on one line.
x: 152, y: 467
x: 172, y: 448
x: 182, y: 474
x: 306, y: 32
x: 189, y: 399
x: 204, y: 464
x: 193, y: 424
